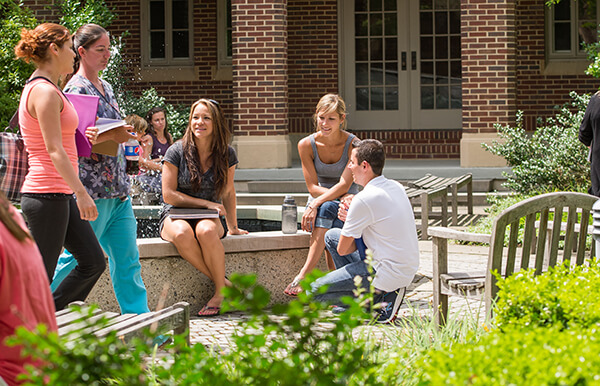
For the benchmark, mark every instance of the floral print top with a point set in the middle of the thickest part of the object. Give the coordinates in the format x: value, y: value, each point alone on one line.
x: 102, y: 175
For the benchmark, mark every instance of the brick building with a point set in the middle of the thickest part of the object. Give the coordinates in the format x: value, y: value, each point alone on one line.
x: 429, y: 78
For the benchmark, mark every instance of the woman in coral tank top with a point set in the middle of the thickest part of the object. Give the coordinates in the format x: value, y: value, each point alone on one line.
x: 55, y: 203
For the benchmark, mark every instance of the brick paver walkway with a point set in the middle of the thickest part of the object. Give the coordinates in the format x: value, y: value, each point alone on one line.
x: 216, y: 331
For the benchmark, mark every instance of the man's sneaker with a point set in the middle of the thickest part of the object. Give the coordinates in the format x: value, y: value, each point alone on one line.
x: 390, y: 304
x: 336, y: 310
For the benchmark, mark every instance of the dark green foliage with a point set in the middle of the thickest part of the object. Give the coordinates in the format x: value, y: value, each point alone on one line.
x: 76, y: 13
x: 534, y: 356
x: 13, y: 17
x: 561, y: 297
x: 87, y: 360
x: 296, y: 344
x: 547, y: 335
x: 290, y: 346
x: 13, y: 73
x: 549, y: 159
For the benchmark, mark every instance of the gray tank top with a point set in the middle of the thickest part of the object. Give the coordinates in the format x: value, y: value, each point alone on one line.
x: 329, y: 174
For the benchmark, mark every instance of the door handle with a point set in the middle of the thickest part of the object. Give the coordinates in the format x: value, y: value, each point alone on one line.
x: 403, y: 61
x: 413, y: 60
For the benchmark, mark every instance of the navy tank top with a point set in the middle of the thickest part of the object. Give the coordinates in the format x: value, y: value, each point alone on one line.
x: 158, y: 149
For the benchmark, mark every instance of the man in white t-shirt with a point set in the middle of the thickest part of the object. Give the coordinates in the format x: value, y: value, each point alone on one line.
x: 380, y: 216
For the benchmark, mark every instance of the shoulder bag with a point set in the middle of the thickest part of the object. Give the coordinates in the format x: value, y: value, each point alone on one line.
x: 13, y: 160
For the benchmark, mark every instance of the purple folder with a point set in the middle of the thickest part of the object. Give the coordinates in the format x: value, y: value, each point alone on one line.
x: 87, y: 108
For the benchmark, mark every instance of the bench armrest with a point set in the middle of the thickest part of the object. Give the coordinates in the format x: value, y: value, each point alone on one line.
x: 453, y: 234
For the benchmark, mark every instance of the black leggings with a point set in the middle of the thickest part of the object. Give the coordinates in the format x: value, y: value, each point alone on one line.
x: 54, y: 221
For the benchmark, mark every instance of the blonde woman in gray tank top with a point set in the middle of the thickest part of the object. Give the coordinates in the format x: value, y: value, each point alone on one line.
x: 324, y: 155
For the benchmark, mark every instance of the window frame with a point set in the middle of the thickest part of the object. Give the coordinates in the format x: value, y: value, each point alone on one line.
x: 168, y: 61
x: 224, y: 61
x: 576, y: 53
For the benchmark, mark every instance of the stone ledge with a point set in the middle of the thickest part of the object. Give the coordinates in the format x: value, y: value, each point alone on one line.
x: 274, y: 257
x: 156, y: 247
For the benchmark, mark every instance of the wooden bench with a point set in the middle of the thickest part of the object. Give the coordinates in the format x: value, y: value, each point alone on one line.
x: 75, y: 321
x: 425, y: 198
x: 429, y: 181
x: 546, y: 241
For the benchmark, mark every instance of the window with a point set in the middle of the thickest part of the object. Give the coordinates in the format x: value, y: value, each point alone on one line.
x: 167, y: 34
x: 224, y: 28
x: 571, y: 23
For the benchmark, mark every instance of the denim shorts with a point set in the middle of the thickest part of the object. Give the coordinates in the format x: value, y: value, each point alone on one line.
x: 327, y: 215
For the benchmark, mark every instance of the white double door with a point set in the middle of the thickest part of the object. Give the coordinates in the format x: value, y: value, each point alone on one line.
x: 401, y: 63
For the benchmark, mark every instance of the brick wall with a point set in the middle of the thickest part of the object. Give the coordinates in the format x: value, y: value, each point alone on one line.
x: 503, y: 64
x: 421, y: 144
x: 312, y: 58
x: 260, y: 67
x: 488, y: 64
x: 204, y: 51
x: 537, y: 94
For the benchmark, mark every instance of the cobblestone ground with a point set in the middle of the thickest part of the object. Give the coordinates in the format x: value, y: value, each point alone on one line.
x: 216, y: 332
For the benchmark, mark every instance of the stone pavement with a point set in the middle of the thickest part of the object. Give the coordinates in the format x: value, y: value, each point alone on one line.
x: 215, y: 332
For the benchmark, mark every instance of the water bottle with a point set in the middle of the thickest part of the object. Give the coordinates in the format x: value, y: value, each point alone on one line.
x: 289, y: 215
x: 132, y: 155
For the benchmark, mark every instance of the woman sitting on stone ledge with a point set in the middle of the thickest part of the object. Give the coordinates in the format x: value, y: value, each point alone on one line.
x: 324, y: 155
x: 198, y: 172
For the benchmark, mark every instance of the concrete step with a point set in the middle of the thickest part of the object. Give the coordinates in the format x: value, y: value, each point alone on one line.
x: 295, y: 186
x: 257, y: 199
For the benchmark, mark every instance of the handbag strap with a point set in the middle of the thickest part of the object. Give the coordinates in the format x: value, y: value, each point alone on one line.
x: 14, y: 121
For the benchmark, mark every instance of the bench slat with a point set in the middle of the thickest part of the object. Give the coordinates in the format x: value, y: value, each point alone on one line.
x: 75, y: 323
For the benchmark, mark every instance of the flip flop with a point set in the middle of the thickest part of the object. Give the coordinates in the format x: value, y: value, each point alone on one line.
x: 207, y: 311
x: 293, y: 289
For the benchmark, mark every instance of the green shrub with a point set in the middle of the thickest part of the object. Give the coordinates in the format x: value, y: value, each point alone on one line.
x: 549, y: 159
x: 86, y: 360
x: 559, y: 297
x: 416, y: 334
x: 13, y: 17
x: 536, y: 356
x: 76, y: 13
x: 298, y: 343
x: 13, y: 73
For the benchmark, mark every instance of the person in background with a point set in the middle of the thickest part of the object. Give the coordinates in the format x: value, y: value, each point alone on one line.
x: 589, y: 135
x: 54, y: 200
x: 155, y: 145
x: 26, y: 298
x: 380, y: 216
x: 105, y: 178
x: 324, y: 156
x: 139, y: 125
x: 198, y: 172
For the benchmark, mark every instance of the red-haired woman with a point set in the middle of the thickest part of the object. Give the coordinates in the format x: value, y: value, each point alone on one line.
x: 198, y: 173
x: 54, y: 200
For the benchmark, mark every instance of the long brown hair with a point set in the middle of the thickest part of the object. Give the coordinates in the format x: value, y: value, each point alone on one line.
x: 9, y: 222
x: 219, y: 146
x: 151, y: 130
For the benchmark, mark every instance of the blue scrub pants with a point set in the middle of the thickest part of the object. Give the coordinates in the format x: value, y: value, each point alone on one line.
x: 116, y: 230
